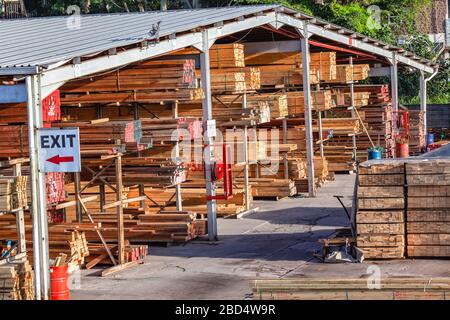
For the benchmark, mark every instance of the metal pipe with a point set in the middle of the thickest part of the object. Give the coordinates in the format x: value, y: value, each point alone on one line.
x: 308, y: 114
x: 34, y: 183
x: 208, y: 139
x: 423, y: 96
x: 394, y: 83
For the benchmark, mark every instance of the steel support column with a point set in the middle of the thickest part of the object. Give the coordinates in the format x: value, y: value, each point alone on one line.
x: 38, y: 198
x: 308, y: 115
x: 423, y: 100
x: 394, y: 83
x: 208, y: 139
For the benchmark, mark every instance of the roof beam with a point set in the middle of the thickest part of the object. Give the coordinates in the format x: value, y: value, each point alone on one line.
x: 122, y: 58
x: 348, y: 40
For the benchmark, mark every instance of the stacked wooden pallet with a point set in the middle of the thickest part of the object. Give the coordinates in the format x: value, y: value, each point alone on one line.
x: 380, y: 215
x: 428, y: 213
x: 401, y: 288
x: 16, y: 281
x: 272, y: 188
x: 13, y: 193
x: 234, y: 79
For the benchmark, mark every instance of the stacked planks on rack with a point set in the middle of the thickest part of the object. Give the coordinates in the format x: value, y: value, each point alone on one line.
x: 16, y: 281
x: 337, y: 137
x: 380, y: 214
x: 416, y: 133
x: 391, y: 288
x: 428, y: 203
x: 148, y: 81
x: 346, y: 73
x: 13, y: 193
x: 279, y: 69
x: 376, y: 116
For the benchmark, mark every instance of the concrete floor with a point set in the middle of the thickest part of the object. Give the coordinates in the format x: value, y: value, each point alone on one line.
x: 277, y: 241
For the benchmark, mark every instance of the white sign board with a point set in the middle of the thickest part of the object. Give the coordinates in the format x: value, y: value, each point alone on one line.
x: 59, y: 150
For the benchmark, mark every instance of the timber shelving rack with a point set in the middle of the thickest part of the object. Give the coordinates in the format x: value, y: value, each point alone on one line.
x: 100, y: 43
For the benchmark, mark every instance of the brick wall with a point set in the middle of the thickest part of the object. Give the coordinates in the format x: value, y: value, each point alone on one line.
x: 432, y: 17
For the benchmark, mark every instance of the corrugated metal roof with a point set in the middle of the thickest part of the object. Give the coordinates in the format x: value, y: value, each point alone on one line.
x: 42, y: 41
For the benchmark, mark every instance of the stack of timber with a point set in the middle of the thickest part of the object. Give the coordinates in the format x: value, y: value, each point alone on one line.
x: 321, y: 175
x: 151, y: 225
x: 67, y: 238
x: 16, y: 281
x: 220, y: 55
x: 156, y: 172
x: 164, y: 130
x: 285, y: 68
x: 148, y: 81
x: 346, y: 73
x: 320, y: 101
x: 402, y: 288
x: 234, y: 79
x: 380, y: 215
x: 416, y: 133
x: 13, y: 193
x: 271, y: 188
x: 229, y: 111
x: 428, y: 212
x: 338, y: 148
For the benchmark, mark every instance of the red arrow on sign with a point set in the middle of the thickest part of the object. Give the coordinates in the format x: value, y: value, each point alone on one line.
x: 57, y: 159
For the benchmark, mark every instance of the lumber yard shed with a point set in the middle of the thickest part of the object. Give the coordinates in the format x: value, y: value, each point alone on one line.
x: 41, y: 55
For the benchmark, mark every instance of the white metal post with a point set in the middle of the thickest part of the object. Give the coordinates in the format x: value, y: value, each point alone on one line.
x: 352, y: 105
x: 423, y: 100
x: 208, y: 139
x: 38, y: 207
x: 246, y: 165
x: 394, y: 83
x: 178, y: 200
x: 308, y: 114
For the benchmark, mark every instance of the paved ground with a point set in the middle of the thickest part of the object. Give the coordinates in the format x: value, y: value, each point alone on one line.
x: 277, y: 241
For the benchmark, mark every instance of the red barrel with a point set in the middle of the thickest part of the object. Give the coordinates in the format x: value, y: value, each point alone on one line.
x: 59, y: 283
x: 402, y: 150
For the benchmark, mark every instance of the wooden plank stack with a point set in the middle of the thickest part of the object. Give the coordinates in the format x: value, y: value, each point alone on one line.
x: 13, y: 193
x: 380, y: 215
x: 346, y: 73
x: 16, y: 281
x: 391, y: 288
x: 320, y: 101
x: 416, y: 134
x: 153, y: 80
x: 428, y: 212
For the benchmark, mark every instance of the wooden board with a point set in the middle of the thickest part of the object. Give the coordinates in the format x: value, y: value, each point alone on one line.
x: 381, y: 203
x: 381, y: 192
x: 381, y: 228
x: 381, y: 180
x: 380, y: 216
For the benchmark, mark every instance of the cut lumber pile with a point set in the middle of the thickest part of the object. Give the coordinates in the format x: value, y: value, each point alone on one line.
x: 322, y: 63
x: 320, y: 101
x: 148, y: 171
x: 13, y: 193
x: 390, y: 288
x: 163, y: 130
x: 271, y: 188
x: 230, y: 111
x: 380, y: 215
x: 346, y: 73
x: 417, y: 136
x: 152, y: 80
x: 234, y: 79
x: 151, y: 74
x: 16, y: 281
x: 428, y: 208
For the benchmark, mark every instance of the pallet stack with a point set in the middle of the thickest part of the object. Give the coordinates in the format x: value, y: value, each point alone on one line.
x: 416, y: 134
x: 380, y: 215
x: 428, y: 214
